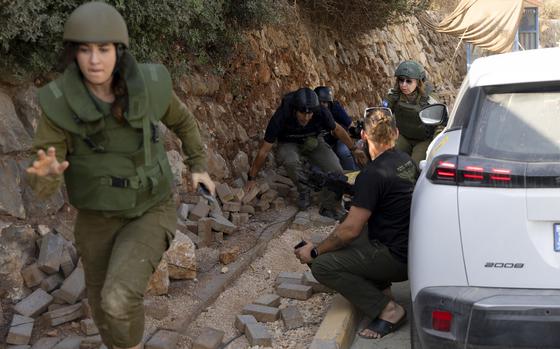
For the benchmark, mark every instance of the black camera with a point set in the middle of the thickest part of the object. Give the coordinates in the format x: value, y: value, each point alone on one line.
x: 356, y: 131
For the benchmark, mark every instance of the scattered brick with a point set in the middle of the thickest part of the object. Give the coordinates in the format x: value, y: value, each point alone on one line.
x: 262, y: 206
x: 192, y: 199
x: 290, y: 278
x: 270, y: 195
x: 228, y: 255
x: 183, y: 212
x: 278, y: 204
x: 46, y: 343
x: 282, y: 189
x: 249, y: 196
x: 52, y: 246
x: 43, y: 229
x: 192, y: 226
x: 247, y: 209
x: 261, y: 312
x: 243, y: 218
x: 283, y: 180
x: 20, y: 330
x: 239, y: 193
x: 209, y: 338
x: 67, y: 263
x: 32, y: 275
x: 301, y: 224
x: 62, y: 315
x: 19, y: 346
x: 52, y: 282
x: 92, y: 342
x: 55, y: 306
x: 34, y: 304
x: 71, y: 342
x: 86, y: 309
x: 73, y: 287
x: 88, y: 327
x: 223, y: 225
x: 200, y: 211
x: 235, y: 219
x: 224, y: 192
x: 241, y: 321
x: 65, y: 230
x: 257, y: 334
x: 205, y: 233
x: 263, y: 186
x: 292, y: 317
x: 219, y: 237
x: 232, y: 206
x: 270, y: 300
x: 57, y: 297
x: 300, y: 292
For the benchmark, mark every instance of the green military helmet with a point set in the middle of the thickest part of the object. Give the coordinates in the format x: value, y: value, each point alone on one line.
x: 411, y: 69
x: 96, y: 22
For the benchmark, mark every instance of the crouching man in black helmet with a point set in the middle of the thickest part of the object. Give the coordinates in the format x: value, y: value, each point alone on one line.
x: 326, y: 98
x: 297, y: 125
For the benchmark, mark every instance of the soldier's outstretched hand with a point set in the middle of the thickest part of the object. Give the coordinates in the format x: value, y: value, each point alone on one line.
x: 47, y: 164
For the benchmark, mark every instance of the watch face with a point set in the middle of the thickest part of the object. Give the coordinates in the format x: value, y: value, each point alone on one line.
x: 314, y: 253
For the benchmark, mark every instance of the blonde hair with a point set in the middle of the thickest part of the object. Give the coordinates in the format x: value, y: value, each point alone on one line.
x: 380, y: 126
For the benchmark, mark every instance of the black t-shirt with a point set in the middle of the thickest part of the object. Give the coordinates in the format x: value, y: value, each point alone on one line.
x: 284, y: 127
x: 385, y: 188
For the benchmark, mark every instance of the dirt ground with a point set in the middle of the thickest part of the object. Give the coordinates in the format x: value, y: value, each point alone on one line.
x: 258, y: 279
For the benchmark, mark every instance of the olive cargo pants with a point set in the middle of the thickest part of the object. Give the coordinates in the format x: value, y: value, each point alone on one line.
x: 360, y: 272
x: 119, y: 255
x: 415, y: 148
x: 292, y: 157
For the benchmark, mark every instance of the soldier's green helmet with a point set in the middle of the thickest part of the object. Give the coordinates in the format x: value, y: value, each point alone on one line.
x: 96, y: 22
x: 411, y: 69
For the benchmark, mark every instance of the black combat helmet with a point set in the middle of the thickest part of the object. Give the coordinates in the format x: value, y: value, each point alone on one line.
x: 306, y: 100
x: 324, y: 93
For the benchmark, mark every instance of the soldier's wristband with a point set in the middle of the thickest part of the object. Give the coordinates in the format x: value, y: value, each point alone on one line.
x: 250, y: 178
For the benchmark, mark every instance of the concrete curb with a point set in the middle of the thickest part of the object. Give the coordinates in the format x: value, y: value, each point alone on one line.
x: 338, y: 327
x: 215, y: 284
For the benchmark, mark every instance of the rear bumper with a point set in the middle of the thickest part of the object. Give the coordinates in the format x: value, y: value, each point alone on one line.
x: 489, y: 318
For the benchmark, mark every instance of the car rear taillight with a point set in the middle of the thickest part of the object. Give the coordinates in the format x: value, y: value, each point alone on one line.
x: 441, y: 320
x: 477, y: 172
x: 444, y: 170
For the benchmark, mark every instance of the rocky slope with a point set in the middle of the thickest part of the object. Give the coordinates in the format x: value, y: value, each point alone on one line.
x: 232, y: 108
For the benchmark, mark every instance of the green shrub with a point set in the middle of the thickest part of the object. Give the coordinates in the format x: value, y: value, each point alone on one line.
x: 351, y: 17
x: 168, y: 31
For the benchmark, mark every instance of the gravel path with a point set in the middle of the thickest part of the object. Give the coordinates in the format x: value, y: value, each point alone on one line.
x: 258, y: 280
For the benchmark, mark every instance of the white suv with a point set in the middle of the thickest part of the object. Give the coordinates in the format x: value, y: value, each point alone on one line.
x: 484, y: 251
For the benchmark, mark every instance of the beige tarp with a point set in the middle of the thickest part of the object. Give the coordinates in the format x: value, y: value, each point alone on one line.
x: 488, y: 24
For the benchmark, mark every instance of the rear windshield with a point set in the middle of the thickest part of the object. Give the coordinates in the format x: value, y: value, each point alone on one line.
x: 519, y: 126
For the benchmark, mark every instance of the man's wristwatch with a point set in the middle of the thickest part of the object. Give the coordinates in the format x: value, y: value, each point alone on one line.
x: 314, y: 253
x: 249, y: 177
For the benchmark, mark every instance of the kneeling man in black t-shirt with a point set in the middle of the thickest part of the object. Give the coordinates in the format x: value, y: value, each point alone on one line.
x: 297, y: 126
x: 368, y: 250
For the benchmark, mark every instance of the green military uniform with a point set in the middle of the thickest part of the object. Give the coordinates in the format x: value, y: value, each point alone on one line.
x: 414, y: 136
x: 119, y: 179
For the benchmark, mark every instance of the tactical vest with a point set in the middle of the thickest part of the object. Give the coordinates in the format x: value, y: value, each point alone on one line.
x: 406, y: 114
x: 121, y: 169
